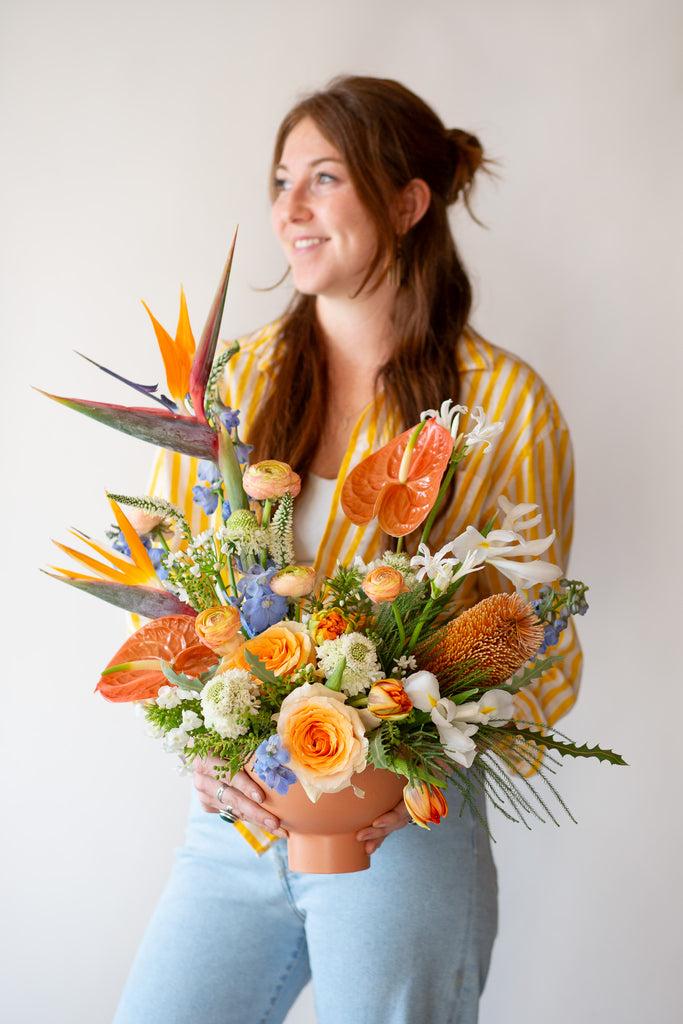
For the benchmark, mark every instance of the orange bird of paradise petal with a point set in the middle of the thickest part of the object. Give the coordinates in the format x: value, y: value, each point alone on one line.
x: 137, y: 570
x: 171, y: 639
x: 177, y: 353
x: 373, y: 488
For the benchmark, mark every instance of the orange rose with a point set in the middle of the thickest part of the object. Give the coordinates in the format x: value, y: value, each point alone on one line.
x: 388, y: 700
x: 218, y: 628
x: 282, y: 648
x: 425, y: 803
x: 384, y: 584
x: 271, y: 479
x: 324, y: 736
x: 328, y: 625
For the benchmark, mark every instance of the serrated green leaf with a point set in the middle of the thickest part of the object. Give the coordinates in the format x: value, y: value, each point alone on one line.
x: 258, y: 669
x: 568, y: 747
x: 183, y: 681
x: 377, y: 753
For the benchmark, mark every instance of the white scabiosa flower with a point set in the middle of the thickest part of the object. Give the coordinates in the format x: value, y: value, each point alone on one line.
x: 227, y: 699
x: 362, y: 667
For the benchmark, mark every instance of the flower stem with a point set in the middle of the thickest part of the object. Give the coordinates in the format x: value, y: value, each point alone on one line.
x: 439, y: 500
x: 401, y: 630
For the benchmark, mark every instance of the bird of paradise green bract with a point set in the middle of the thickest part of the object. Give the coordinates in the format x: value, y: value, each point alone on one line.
x: 188, y: 434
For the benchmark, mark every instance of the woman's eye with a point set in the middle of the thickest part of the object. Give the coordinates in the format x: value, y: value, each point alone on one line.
x: 280, y: 185
x: 325, y: 179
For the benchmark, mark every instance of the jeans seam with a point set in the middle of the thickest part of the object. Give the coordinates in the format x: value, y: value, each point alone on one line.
x: 283, y: 980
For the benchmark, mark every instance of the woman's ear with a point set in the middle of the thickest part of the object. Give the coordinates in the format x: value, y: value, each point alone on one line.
x: 412, y: 204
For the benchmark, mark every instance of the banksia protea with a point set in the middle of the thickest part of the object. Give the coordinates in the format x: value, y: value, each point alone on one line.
x: 497, y: 635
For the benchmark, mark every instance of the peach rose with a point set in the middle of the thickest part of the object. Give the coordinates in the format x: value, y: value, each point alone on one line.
x: 282, y: 648
x: 218, y: 628
x: 294, y: 581
x: 324, y: 736
x: 271, y: 479
x: 384, y: 584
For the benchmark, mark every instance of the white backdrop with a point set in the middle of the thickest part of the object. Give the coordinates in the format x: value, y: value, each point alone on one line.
x: 135, y: 136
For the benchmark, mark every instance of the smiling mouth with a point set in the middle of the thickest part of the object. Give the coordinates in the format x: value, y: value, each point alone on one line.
x: 301, y: 244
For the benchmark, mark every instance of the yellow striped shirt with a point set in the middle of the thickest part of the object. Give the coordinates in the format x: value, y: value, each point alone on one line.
x: 530, y: 461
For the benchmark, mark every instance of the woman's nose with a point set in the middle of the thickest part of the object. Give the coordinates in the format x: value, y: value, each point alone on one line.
x: 297, y: 203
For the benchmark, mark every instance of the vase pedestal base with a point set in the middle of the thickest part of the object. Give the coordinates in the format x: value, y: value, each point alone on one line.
x: 326, y: 854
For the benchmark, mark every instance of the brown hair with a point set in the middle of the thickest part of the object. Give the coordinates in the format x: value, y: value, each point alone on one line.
x: 387, y: 136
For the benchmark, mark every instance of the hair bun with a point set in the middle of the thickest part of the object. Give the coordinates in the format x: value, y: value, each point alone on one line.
x: 468, y: 156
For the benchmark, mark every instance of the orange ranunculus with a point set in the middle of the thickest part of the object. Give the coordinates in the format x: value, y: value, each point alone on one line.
x: 400, y: 496
x: 328, y: 625
x: 388, y: 700
x: 324, y: 736
x: 282, y: 648
x: 218, y: 628
x: 425, y: 803
x: 271, y: 479
x: 294, y: 581
x: 384, y: 584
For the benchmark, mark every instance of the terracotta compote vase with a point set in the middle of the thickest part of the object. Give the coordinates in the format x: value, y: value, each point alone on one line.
x: 322, y: 835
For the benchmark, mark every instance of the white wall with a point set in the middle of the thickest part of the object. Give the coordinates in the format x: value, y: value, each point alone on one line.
x: 135, y: 135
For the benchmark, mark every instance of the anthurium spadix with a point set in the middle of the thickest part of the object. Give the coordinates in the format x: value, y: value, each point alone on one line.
x: 180, y: 432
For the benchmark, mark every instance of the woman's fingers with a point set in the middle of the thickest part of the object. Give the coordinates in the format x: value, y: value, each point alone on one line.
x: 240, y: 794
x: 374, y: 835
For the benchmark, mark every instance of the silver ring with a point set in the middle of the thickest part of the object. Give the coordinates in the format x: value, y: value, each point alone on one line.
x: 227, y: 815
x: 219, y: 794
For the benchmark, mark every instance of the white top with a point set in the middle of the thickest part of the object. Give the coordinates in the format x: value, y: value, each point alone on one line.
x: 311, y: 512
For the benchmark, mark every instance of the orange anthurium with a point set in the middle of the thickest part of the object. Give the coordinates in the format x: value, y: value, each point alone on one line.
x: 171, y: 639
x: 177, y: 354
x: 397, y: 487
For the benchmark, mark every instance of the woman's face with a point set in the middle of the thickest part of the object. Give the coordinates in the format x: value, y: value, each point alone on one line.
x: 327, y: 234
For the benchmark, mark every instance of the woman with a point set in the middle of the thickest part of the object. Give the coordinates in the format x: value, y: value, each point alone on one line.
x: 377, y: 332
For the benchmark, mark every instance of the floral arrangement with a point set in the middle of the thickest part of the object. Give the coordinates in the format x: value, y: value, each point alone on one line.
x: 252, y: 658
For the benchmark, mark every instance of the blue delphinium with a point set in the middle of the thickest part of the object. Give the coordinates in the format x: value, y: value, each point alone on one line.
x: 260, y: 606
x: 207, y: 496
x: 270, y: 765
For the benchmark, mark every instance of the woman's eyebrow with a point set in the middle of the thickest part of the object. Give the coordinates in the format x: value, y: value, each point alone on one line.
x: 314, y: 163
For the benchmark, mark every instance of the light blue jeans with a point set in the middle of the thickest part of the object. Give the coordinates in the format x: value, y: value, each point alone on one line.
x: 236, y: 937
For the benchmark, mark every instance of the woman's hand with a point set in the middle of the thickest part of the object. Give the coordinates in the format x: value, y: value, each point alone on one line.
x: 375, y: 834
x: 240, y: 794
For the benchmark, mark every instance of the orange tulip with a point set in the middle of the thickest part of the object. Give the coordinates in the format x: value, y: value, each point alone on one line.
x: 425, y: 803
x: 398, y: 486
x: 388, y: 700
